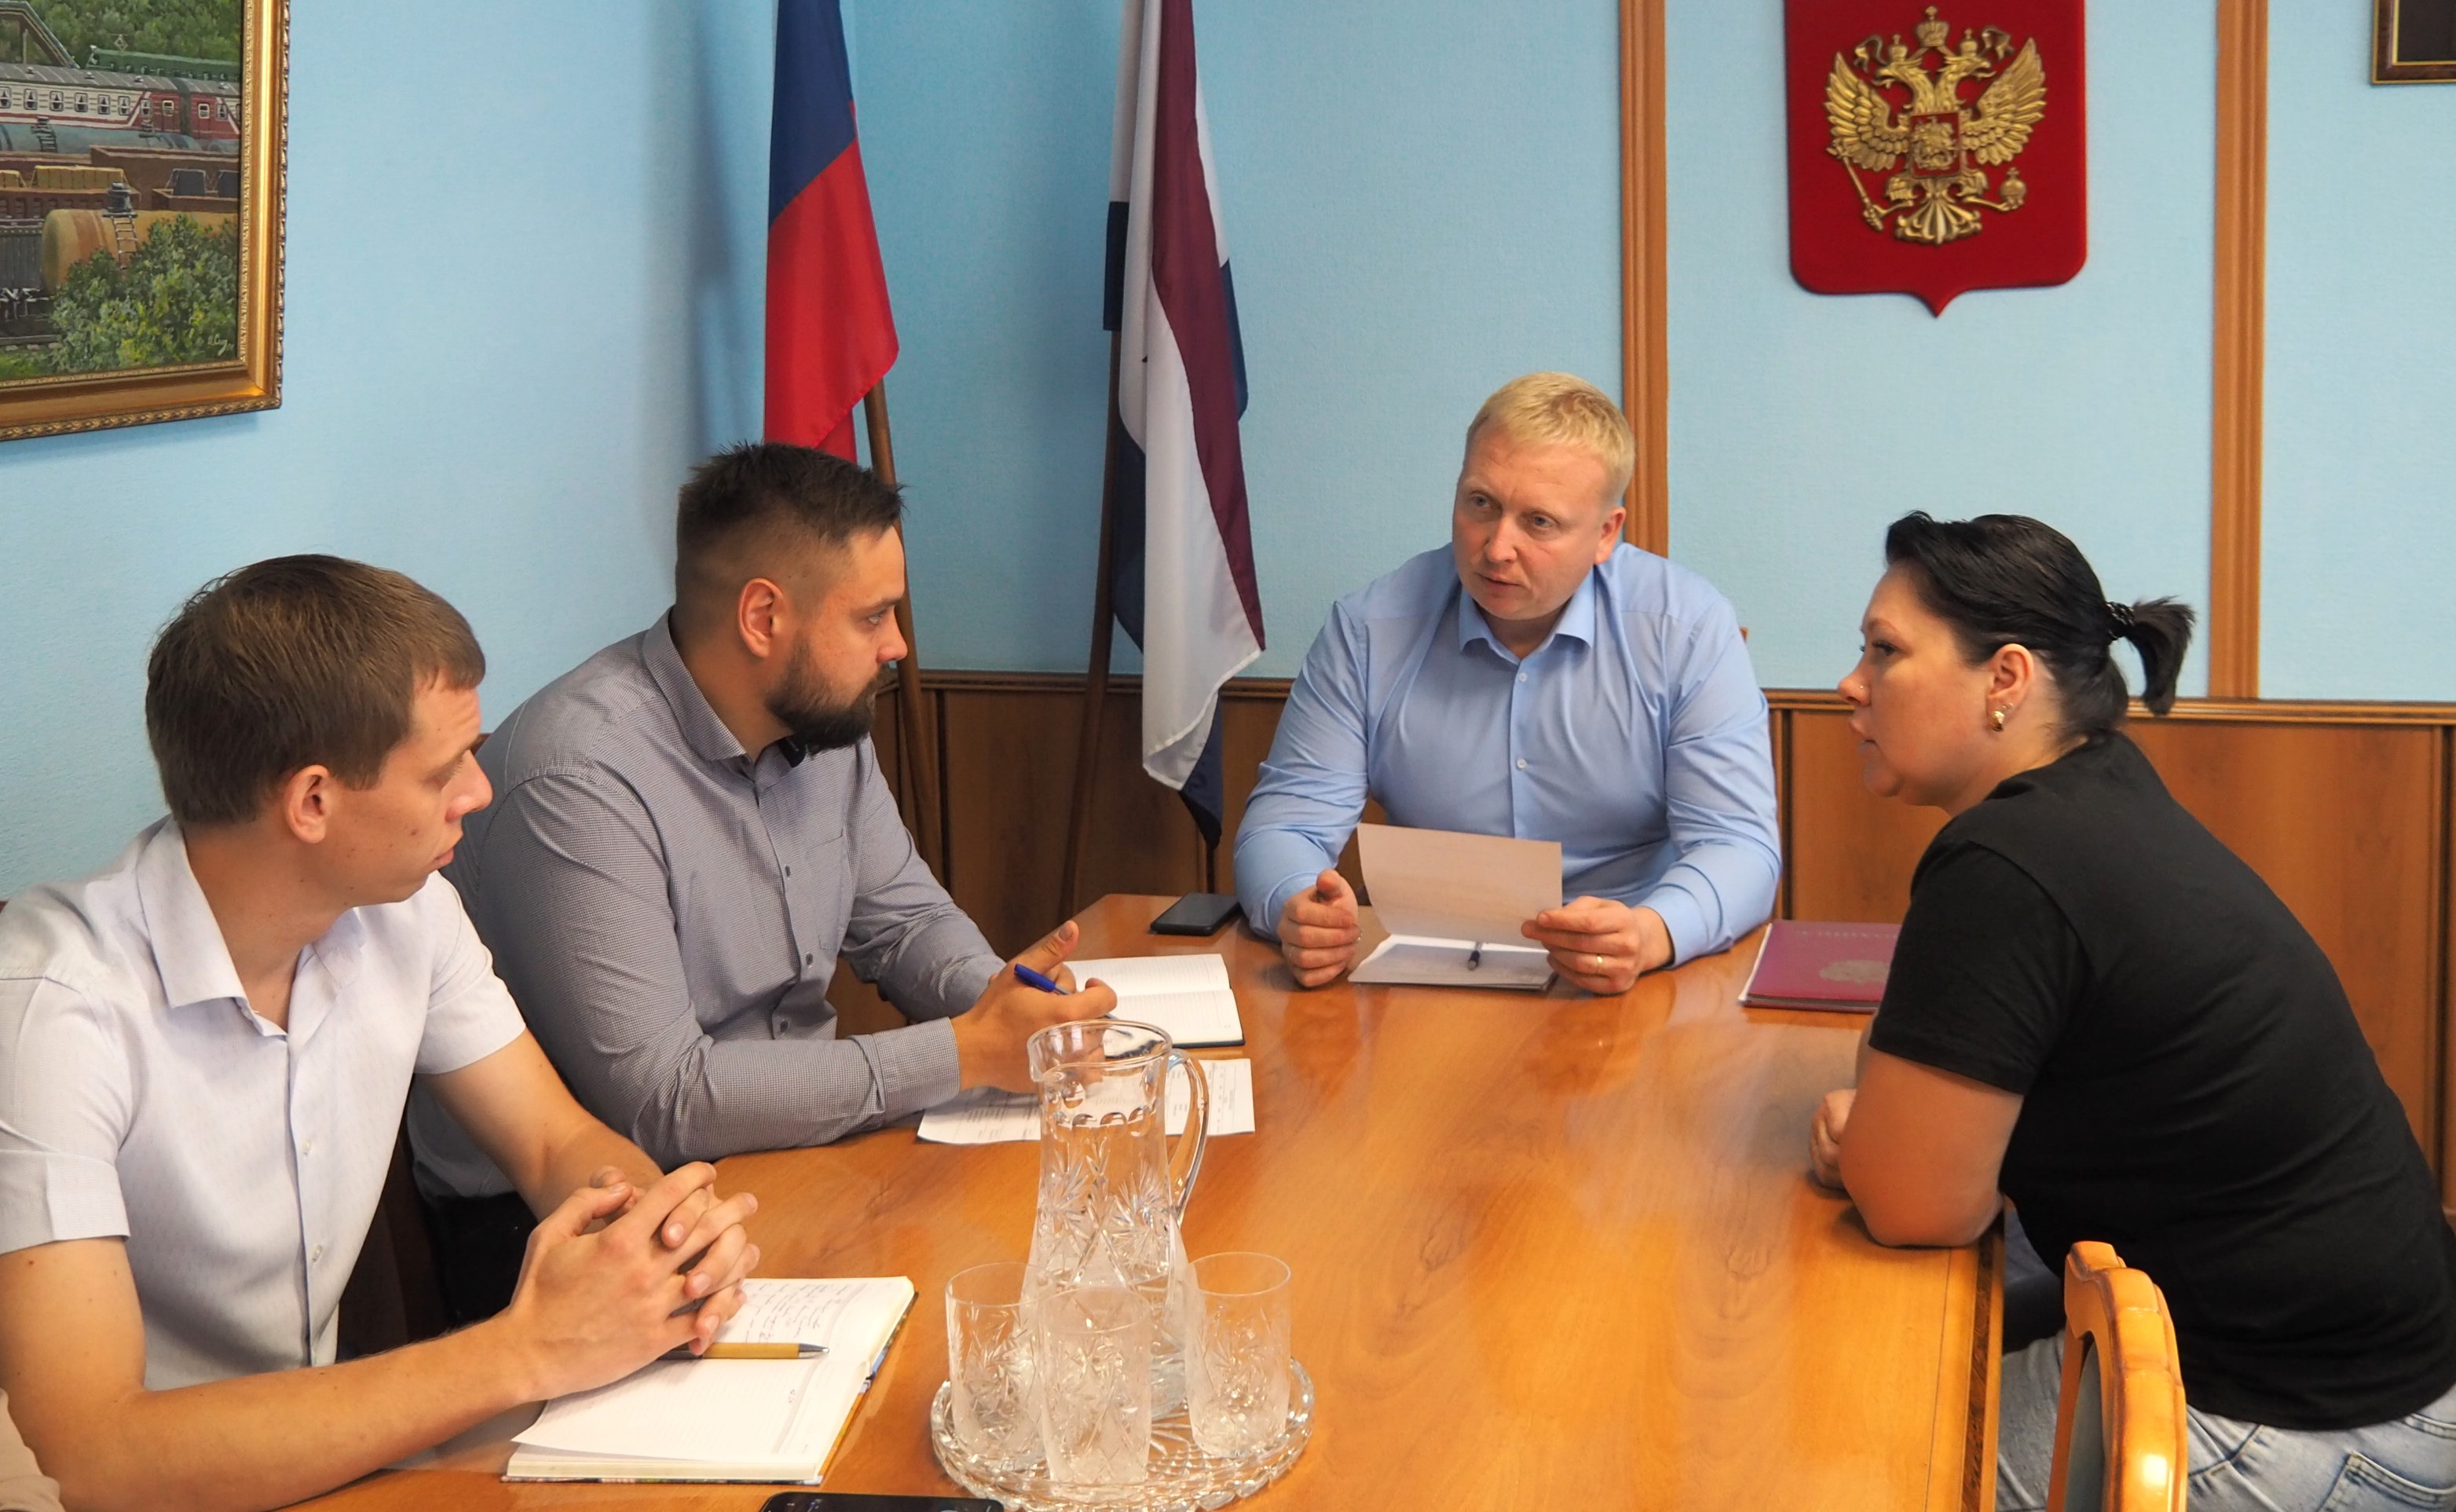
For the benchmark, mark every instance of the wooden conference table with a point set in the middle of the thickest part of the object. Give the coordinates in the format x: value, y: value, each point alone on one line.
x: 1549, y: 1251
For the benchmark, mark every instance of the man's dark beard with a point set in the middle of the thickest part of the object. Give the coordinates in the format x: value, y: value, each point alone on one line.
x: 801, y: 704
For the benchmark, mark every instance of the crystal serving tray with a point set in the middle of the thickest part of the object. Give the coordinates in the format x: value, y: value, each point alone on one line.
x: 1182, y: 1476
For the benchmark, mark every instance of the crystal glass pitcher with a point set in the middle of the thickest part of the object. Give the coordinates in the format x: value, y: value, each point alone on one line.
x: 1112, y: 1186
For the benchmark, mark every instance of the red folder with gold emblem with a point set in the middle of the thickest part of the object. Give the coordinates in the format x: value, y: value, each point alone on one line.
x: 1839, y: 968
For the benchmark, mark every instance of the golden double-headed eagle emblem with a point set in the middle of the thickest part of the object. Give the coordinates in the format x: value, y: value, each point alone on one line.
x: 1935, y: 150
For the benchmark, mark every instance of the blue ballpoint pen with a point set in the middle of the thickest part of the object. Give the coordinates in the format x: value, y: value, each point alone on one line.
x: 1032, y: 978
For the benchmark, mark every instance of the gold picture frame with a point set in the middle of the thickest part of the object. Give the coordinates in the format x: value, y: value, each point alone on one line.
x: 2402, y: 31
x: 150, y: 190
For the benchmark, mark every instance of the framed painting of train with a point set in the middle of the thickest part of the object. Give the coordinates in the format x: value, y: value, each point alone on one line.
x: 140, y: 209
x: 2413, y: 41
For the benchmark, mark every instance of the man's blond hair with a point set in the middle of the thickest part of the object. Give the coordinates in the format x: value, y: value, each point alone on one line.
x: 1556, y: 409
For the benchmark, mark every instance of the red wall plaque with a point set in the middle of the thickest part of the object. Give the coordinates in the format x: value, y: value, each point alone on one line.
x: 1937, y: 149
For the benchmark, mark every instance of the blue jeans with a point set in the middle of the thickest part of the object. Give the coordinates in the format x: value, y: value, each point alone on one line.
x: 2396, y: 1466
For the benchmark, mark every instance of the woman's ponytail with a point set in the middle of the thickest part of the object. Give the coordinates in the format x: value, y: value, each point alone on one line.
x: 2159, y: 629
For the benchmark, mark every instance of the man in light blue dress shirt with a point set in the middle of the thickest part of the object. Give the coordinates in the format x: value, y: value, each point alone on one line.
x: 1539, y: 679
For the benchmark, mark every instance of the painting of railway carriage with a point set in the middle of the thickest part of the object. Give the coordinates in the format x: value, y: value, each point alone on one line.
x: 140, y: 209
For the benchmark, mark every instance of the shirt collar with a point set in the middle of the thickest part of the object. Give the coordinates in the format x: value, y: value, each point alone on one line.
x: 1577, y: 620
x: 337, y: 951
x: 701, y: 730
x: 189, y: 950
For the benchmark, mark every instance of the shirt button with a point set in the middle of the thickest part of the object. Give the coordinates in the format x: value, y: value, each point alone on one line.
x: 1521, y: 677
x: 789, y: 871
x: 315, y: 1254
x: 307, y: 1149
x: 808, y: 959
x: 1522, y: 763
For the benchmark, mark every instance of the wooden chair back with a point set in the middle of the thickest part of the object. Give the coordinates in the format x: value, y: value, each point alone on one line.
x: 393, y: 1298
x: 2122, y: 1439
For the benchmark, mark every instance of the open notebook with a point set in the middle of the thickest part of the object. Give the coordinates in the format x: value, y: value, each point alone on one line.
x: 728, y: 1419
x: 1186, y: 997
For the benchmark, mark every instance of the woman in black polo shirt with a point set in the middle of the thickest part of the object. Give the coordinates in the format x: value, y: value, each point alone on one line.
x: 2098, y: 1012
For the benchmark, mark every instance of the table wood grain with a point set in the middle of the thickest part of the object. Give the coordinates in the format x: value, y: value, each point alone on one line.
x: 1549, y: 1251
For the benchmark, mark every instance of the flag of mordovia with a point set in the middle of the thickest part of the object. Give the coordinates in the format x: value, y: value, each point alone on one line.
x: 1184, y: 561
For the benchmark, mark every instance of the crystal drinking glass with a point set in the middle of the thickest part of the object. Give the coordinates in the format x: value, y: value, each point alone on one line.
x: 990, y: 1363
x: 1237, y: 1375
x: 1096, y: 1383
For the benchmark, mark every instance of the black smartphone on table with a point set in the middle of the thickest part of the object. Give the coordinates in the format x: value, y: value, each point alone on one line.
x: 1197, y: 913
x: 851, y: 1502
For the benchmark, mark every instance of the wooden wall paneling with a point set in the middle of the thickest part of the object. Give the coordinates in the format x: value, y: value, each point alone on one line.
x: 1850, y: 853
x: 1779, y: 736
x: 1142, y: 839
x: 1010, y: 764
x: 2443, y: 973
x: 2206, y: 711
x: 2345, y: 825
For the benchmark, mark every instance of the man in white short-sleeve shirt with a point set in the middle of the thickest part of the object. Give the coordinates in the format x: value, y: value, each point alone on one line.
x: 204, y: 1053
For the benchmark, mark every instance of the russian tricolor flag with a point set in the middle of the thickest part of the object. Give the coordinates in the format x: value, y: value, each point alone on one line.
x: 1184, y: 558
x: 830, y: 335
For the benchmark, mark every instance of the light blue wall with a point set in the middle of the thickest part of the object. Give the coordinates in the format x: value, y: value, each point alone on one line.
x: 2358, y: 595
x: 1802, y: 424
x: 1421, y: 202
x: 525, y: 264
x: 524, y: 285
x: 1422, y: 199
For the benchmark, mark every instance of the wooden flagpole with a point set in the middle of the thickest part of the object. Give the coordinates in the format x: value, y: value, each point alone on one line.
x: 916, y: 745
x: 1096, y: 683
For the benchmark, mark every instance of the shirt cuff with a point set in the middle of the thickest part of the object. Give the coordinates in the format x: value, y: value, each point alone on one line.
x: 1684, y: 921
x: 973, y: 978
x: 1276, y: 901
x: 916, y: 1066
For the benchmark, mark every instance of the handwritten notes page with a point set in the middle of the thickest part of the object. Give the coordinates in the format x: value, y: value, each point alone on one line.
x: 728, y: 1419
x: 1453, y: 904
x: 986, y: 1115
x: 1186, y: 995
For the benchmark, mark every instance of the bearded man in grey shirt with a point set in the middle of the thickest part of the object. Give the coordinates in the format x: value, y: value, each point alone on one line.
x: 689, y: 827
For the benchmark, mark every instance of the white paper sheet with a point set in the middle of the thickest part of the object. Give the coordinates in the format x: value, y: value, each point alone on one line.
x: 1186, y: 995
x: 1444, y: 885
x: 987, y: 1115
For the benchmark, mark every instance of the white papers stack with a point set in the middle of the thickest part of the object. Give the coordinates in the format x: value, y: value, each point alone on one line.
x: 986, y: 1115
x: 1186, y: 995
x: 728, y: 1419
x: 1453, y: 904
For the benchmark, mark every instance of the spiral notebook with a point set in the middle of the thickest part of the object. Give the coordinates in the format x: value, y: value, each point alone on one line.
x: 730, y: 1420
